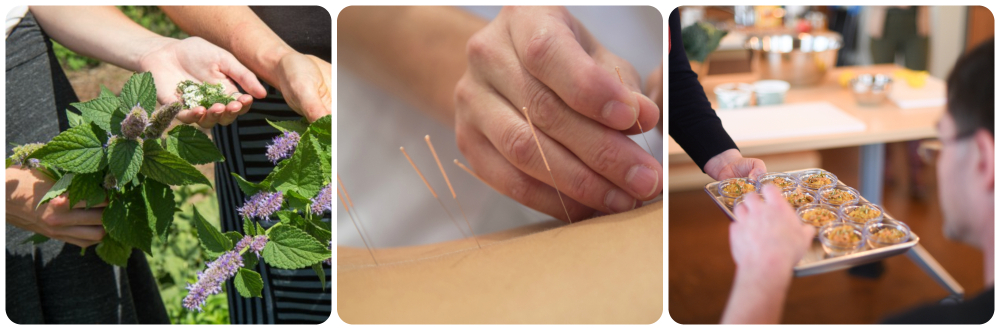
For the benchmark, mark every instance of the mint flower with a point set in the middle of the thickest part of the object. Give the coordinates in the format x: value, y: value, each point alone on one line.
x: 23, y: 151
x: 322, y: 201
x: 110, y: 182
x: 210, y: 281
x: 134, y: 123
x: 261, y: 205
x: 283, y: 146
x: 256, y: 243
x: 161, y: 118
x: 327, y: 261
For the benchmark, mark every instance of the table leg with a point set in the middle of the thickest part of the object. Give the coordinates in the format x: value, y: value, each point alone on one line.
x: 871, y: 174
x: 925, y: 261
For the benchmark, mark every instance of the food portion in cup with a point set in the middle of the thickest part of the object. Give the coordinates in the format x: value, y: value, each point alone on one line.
x: 886, y: 232
x: 861, y: 213
x: 841, y: 238
x: 817, y: 179
x: 839, y: 195
x: 784, y: 181
x: 731, y: 189
x: 818, y: 214
x: 798, y: 197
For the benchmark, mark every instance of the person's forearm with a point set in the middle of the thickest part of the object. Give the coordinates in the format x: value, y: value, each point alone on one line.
x: 417, y: 53
x: 757, y: 297
x: 101, y: 32
x: 236, y: 29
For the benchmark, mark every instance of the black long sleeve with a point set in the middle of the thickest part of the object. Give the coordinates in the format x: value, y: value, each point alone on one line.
x: 692, y: 122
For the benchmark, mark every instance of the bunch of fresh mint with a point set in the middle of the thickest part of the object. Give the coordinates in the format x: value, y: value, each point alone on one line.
x: 116, y: 151
x: 204, y: 94
x: 297, y: 192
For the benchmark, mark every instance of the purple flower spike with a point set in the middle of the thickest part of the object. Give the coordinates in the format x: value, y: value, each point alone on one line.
x: 134, y: 123
x: 21, y: 153
x: 261, y: 205
x: 210, y: 281
x: 283, y: 146
x: 256, y: 244
x: 322, y: 201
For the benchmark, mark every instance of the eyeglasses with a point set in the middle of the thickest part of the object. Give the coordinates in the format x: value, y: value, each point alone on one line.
x: 929, y: 150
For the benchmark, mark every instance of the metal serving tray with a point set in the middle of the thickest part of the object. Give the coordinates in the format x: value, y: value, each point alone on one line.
x: 815, y: 260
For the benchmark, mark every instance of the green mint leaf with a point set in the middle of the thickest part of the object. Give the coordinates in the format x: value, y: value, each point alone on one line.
x: 292, y: 248
x: 9, y: 162
x: 106, y: 93
x: 260, y: 230
x: 318, y: 268
x: 248, y: 188
x: 36, y: 239
x: 323, y: 128
x: 165, y: 167
x: 192, y: 145
x: 125, y: 159
x: 297, y: 126
x: 113, y: 252
x: 99, y: 111
x: 297, y: 202
x: 233, y: 237
x: 117, y: 117
x: 87, y: 187
x: 250, y: 260
x: 289, y: 217
x: 316, y: 230
x: 248, y: 227
x: 74, y: 119
x: 211, y: 238
x: 57, y: 189
x: 77, y: 150
x: 126, y: 220
x: 248, y: 283
x: 140, y: 90
x: 159, y: 200
x: 303, y: 173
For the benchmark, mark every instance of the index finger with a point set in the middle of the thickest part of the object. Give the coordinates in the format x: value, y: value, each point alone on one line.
x: 552, y: 52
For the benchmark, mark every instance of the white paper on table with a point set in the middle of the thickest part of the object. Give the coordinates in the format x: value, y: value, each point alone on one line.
x: 932, y: 94
x: 787, y: 121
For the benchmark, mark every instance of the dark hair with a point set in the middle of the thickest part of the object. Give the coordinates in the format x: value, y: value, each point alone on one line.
x: 970, y: 91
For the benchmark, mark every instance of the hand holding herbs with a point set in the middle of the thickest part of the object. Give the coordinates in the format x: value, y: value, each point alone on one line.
x: 54, y: 219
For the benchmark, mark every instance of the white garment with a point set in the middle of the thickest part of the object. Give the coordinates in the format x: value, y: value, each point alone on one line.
x: 14, y: 16
x: 393, y: 204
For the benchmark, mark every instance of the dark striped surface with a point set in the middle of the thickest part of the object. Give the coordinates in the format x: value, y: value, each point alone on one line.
x: 289, y: 296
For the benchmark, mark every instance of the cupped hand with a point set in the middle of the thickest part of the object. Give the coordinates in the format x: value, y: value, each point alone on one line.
x: 767, y: 234
x: 731, y: 164
x: 55, y: 219
x: 543, y: 59
x: 198, y: 60
x: 304, y: 82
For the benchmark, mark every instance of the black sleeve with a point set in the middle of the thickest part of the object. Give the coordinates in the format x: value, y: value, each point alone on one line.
x: 692, y: 122
x: 979, y: 310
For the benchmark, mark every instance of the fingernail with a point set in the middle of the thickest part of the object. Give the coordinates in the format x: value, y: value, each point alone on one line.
x: 617, y: 112
x: 642, y: 180
x: 618, y: 201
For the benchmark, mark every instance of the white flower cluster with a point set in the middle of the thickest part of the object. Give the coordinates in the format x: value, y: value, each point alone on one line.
x: 192, y: 96
x: 193, y: 93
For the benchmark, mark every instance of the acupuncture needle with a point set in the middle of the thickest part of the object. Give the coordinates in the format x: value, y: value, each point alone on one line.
x: 470, y: 171
x: 356, y: 227
x: 539, y: 144
x: 453, y: 196
x: 356, y: 214
x: 636, y: 117
x: 432, y: 191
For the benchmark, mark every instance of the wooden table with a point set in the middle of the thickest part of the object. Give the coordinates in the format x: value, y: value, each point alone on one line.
x: 885, y: 123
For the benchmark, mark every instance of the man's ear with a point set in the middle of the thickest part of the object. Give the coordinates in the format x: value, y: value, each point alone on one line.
x: 984, y: 144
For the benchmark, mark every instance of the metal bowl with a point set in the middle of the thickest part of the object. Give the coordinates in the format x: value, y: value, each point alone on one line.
x: 870, y: 89
x: 798, y: 58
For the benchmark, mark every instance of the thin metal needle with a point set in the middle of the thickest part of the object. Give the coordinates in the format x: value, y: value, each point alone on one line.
x: 539, y: 144
x: 470, y: 171
x: 432, y: 191
x: 453, y: 196
x: 356, y: 227
x: 637, y: 117
x: 356, y: 214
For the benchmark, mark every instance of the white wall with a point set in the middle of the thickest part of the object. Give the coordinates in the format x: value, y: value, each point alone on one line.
x: 947, y: 39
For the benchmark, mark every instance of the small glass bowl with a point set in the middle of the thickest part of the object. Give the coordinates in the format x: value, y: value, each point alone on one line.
x: 886, y: 232
x: 860, y: 215
x: 841, y: 238
x: 839, y: 196
x: 729, y: 192
x: 806, y: 180
x: 739, y: 200
x: 799, y: 197
x: 817, y: 214
x: 784, y: 181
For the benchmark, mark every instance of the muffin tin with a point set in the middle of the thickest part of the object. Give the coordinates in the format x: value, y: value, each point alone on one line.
x: 817, y: 260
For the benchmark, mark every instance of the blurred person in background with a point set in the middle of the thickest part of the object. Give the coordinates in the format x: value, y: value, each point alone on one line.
x: 767, y: 239
x: 52, y: 282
